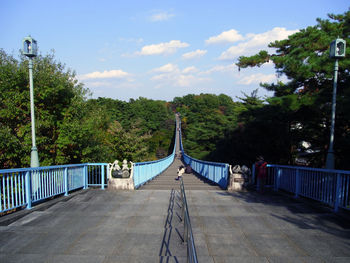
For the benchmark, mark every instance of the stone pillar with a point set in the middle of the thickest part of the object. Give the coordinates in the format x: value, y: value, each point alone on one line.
x: 237, y: 180
x: 121, y: 181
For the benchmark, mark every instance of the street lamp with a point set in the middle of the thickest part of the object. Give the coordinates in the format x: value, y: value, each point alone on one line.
x: 30, y: 49
x: 337, y: 50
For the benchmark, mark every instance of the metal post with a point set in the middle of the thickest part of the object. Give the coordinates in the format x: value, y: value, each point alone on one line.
x: 297, y: 183
x: 34, y: 160
x: 85, y: 179
x: 330, y: 154
x: 253, y: 174
x: 337, y: 193
x: 183, y: 204
x: 103, y: 177
x: 28, y: 190
x: 185, y: 228
x: 278, y: 178
x: 66, y: 190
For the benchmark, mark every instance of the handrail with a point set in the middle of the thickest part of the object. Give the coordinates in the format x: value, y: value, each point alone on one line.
x: 146, y: 171
x: 188, y: 235
x: 330, y: 187
x: 23, y: 186
x: 213, y: 171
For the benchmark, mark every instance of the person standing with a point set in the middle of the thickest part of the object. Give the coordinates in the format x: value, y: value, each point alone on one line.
x: 261, y: 171
x: 180, y: 171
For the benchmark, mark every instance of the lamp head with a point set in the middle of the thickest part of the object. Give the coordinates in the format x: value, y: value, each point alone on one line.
x: 337, y: 48
x: 30, y: 47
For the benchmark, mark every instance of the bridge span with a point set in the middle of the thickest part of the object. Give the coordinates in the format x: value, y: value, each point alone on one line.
x: 146, y: 225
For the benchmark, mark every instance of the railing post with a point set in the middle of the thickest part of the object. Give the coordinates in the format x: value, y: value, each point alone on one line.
x: 297, y: 183
x: 337, y: 193
x: 103, y: 177
x: 66, y: 189
x: 183, y: 205
x: 277, y: 179
x: 28, y: 190
x: 185, y: 229
x: 85, y: 176
x: 253, y: 174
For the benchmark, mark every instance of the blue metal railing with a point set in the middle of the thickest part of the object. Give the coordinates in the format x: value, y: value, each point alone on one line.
x: 24, y: 186
x: 97, y: 174
x: 188, y: 234
x: 146, y: 171
x: 215, y: 172
x: 331, y: 187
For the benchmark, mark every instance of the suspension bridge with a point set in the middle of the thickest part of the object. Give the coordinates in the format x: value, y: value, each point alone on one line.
x: 68, y: 214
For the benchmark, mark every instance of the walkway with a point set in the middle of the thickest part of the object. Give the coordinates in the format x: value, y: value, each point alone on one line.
x: 166, y: 180
x: 144, y: 226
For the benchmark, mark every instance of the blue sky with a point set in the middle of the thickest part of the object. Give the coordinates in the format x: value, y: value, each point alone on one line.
x: 159, y: 49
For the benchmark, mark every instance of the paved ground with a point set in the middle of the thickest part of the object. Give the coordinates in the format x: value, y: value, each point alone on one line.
x: 144, y: 226
x: 249, y: 227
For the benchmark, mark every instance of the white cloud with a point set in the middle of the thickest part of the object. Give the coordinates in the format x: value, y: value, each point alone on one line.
x: 229, y: 36
x: 189, y: 70
x: 172, y: 76
x: 98, y: 84
x: 194, y: 54
x: 116, y: 73
x: 166, y: 68
x: 161, y: 16
x: 221, y: 68
x: 235, y: 51
x: 257, y: 78
x: 162, y: 48
x: 255, y: 42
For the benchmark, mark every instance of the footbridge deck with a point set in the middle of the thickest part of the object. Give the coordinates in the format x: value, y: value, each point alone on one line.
x: 168, y: 180
x: 143, y: 226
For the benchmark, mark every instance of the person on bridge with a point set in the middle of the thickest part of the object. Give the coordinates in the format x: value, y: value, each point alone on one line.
x: 180, y: 172
x: 261, y: 170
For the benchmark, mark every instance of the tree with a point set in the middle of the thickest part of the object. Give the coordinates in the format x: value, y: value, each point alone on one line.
x: 205, y: 117
x: 305, y: 98
x: 56, y: 92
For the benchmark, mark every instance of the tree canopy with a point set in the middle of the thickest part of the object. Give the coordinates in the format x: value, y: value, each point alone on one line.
x: 303, y: 103
x: 291, y: 127
x: 71, y: 128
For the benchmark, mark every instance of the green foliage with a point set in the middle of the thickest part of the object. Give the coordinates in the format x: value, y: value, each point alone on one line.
x: 204, y: 120
x: 55, y: 90
x: 257, y: 60
x: 300, y: 110
x: 304, y: 57
x: 70, y: 128
x: 73, y: 129
x: 138, y: 130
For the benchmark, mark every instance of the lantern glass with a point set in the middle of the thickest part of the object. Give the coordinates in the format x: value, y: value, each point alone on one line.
x: 30, y: 47
x: 337, y: 48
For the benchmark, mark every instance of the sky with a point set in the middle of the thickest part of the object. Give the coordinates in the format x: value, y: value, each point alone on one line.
x: 160, y: 49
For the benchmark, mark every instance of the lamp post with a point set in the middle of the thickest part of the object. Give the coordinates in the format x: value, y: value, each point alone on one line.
x: 30, y: 50
x: 337, y: 50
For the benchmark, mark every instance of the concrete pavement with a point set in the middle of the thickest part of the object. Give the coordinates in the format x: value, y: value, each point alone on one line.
x: 144, y: 226
x: 98, y: 226
x: 249, y: 227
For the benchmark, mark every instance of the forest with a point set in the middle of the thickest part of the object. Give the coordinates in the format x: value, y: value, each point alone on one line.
x: 291, y: 127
